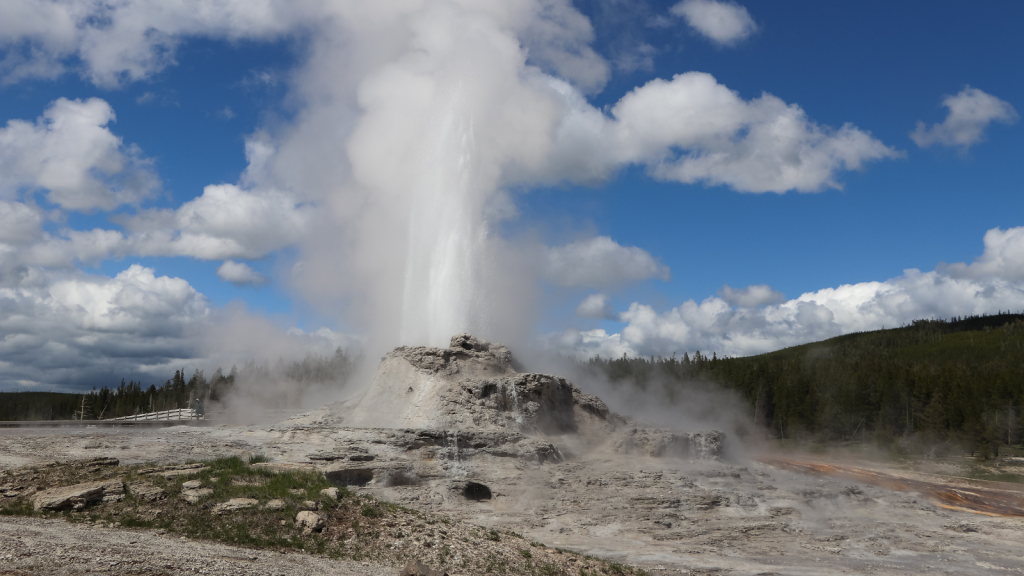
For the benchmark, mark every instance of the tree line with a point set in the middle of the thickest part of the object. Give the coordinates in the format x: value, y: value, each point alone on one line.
x: 933, y: 385
x: 133, y: 397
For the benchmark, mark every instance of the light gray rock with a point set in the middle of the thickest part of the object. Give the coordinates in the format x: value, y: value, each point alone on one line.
x: 192, y: 484
x: 310, y: 521
x: 146, y: 491
x: 275, y: 504
x: 79, y: 496
x: 235, y: 504
x: 331, y: 493
x: 196, y: 494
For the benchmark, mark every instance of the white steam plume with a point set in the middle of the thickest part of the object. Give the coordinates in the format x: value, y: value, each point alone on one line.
x: 414, y: 122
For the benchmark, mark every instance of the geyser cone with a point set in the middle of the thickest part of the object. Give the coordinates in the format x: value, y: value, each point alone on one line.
x: 473, y: 386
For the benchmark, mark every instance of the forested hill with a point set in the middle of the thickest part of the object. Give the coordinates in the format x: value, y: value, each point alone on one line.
x: 956, y: 383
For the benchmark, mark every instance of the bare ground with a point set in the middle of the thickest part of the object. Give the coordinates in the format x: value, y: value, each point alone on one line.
x: 667, y: 516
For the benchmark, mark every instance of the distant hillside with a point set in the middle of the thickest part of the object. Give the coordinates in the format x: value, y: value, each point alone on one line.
x: 933, y: 383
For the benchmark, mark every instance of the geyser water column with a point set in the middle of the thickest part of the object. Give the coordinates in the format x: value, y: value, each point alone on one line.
x: 442, y: 127
x: 446, y: 233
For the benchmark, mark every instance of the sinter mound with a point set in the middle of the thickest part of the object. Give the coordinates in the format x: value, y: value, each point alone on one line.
x: 470, y: 394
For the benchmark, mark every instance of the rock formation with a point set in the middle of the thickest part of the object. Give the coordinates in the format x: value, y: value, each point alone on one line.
x: 430, y: 411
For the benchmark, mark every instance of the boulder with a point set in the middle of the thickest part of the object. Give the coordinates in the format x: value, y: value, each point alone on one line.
x: 79, y: 496
x: 275, y: 504
x: 331, y: 493
x: 309, y: 521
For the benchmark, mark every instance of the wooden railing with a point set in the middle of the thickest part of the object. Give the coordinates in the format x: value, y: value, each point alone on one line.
x: 176, y: 414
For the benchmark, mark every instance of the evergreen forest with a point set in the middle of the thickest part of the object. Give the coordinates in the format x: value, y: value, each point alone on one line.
x: 933, y: 386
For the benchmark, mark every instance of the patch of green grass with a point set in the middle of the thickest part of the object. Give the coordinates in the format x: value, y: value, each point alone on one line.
x: 494, y: 563
x: 549, y: 570
x: 371, y: 511
x: 19, y: 507
x: 493, y: 536
x: 526, y: 554
x: 258, y: 458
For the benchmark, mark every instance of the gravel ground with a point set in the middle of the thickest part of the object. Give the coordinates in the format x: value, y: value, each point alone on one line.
x: 669, y: 517
x: 54, y: 547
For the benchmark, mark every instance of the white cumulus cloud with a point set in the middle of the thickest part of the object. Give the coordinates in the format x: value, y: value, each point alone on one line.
x: 970, y: 113
x: 725, y: 23
x: 596, y: 307
x: 755, y: 320
x: 691, y: 129
x: 71, y: 155
x: 80, y: 327
x: 226, y: 221
x: 240, y: 274
x: 600, y: 262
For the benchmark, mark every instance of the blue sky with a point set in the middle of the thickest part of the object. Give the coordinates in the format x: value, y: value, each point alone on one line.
x: 351, y: 211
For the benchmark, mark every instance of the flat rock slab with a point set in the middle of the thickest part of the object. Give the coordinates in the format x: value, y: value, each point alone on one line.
x: 235, y: 504
x: 172, y: 472
x: 78, y: 496
x: 285, y: 466
x: 147, y: 492
x: 194, y: 495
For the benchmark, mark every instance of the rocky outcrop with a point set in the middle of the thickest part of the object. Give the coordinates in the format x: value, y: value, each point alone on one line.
x: 471, y: 385
x: 661, y: 443
x: 79, y: 496
x: 469, y: 400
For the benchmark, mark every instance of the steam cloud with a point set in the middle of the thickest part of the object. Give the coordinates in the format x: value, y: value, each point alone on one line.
x: 415, y: 124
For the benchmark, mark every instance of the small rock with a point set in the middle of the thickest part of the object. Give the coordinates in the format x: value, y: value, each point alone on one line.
x: 331, y: 493
x: 235, y: 504
x: 192, y: 484
x: 193, y: 496
x: 310, y: 521
x: 417, y: 568
x: 275, y: 504
x: 310, y: 505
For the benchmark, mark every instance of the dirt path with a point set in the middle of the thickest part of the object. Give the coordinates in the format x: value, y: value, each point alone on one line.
x: 54, y: 547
